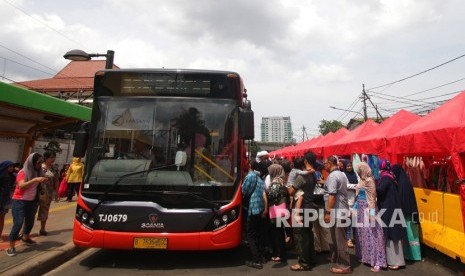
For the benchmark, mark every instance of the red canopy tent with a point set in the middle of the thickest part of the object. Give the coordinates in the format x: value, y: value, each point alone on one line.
x: 375, y: 142
x: 284, y: 152
x: 318, y: 144
x: 440, y: 133
x: 337, y: 136
x: 301, y: 148
x: 342, y: 146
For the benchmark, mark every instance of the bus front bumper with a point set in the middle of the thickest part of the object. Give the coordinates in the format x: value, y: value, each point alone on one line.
x: 224, y: 238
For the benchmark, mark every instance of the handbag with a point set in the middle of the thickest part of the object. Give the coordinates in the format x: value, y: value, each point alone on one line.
x: 278, y: 211
x: 63, y: 188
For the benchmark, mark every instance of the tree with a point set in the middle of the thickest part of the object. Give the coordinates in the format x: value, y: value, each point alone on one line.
x: 189, y: 123
x: 254, y: 148
x: 329, y: 126
x: 53, y: 146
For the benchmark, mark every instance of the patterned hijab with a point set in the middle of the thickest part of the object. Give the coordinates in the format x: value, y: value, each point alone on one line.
x: 276, y: 172
x: 385, y: 169
x: 367, y: 182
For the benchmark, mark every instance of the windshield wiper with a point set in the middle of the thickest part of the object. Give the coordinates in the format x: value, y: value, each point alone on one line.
x: 105, y: 194
x: 215, y: 206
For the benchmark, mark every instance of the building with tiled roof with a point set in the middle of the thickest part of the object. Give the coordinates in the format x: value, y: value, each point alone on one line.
x: 75, y: 82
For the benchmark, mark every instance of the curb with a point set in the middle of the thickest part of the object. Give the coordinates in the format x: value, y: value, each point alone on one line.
x: 47, y: 261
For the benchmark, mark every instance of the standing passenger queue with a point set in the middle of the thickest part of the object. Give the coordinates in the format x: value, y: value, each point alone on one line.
x: 354, y: 210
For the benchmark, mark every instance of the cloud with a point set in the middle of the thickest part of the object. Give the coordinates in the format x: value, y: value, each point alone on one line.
x: 296, y: 57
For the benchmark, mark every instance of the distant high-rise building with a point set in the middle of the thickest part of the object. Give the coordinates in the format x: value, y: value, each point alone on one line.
x: 276, y: 129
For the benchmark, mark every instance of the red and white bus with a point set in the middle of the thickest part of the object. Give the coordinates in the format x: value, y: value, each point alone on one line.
x: 164, y: 160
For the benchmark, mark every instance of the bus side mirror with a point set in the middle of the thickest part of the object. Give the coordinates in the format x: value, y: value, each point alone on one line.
x: 82, y: 140
x: 246, y: 122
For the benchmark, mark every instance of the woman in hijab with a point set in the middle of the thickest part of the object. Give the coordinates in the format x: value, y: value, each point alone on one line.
x: 388, y: 199
x: 412, y: 249
x: 7, y: 182
x: 24, y: 206
x: 370, y: 248
x: 46, y: 190
x: 352, y: 178
x: 277, y: 195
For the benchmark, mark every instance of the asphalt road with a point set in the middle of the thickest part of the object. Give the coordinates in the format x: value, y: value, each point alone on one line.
x: 231, y: 262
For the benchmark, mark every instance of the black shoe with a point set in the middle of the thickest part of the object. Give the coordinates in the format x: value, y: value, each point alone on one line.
x: 255, y: 265
x: 28, y: 241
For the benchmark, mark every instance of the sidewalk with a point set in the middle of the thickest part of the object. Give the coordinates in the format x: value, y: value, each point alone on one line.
x: 56, y: 247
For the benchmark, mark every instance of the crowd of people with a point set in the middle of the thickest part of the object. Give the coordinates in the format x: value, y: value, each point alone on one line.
x: 29, y: 191
x: 378, y: 217
x: 354, y: 209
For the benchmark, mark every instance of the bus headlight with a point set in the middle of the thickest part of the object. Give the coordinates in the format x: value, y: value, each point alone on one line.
x: 233, y: 214
x: 224, y: 218
x: 85, y: 217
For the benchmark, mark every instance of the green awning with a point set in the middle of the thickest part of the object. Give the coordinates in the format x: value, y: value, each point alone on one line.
x: 28, y: 99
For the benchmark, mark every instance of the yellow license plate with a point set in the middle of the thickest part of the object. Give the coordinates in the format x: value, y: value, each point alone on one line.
x: 150, y: 243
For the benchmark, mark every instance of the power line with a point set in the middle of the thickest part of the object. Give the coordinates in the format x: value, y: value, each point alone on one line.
x: 442, y: 85
x: 45, y: 24
x: 406, y: 78
x: 6, y: 78
x: 28, y: 58
x: 407, y: 101
x: 350, y: 108
x: 418, y: 100
x: 71, y: 79
x: 10, y: 60
x: 375, y: 94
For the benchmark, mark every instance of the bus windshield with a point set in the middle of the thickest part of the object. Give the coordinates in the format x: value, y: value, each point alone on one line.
x: 144, y: 134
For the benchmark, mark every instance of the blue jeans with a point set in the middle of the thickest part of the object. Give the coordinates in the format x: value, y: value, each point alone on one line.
x: 23, y: 212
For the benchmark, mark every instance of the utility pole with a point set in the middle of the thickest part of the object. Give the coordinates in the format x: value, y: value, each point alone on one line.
x: 304, y: 134
x: 364, y: 100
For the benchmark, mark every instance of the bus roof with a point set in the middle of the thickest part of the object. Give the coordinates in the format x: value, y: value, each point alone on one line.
x: 165, y: 70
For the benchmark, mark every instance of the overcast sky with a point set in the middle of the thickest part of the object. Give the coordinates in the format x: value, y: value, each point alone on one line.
x: 296, y: 57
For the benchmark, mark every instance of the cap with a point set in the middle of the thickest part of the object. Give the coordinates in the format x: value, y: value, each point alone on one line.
x: 262, y: 153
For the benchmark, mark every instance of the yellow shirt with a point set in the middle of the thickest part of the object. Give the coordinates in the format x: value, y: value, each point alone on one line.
x: 75, y: 171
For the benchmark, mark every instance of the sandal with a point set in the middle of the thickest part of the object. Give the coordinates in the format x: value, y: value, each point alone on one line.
x: 276, y: 259
x: 394, y: 267
x: 298, y: 267
x: 350, y: 244
x: 375, y: 268
x: 337, y: 270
